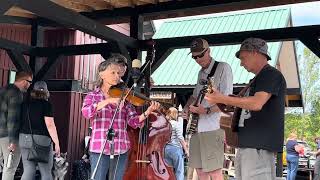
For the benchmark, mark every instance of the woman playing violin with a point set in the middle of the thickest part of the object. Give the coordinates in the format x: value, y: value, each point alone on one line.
x: 99, y: 107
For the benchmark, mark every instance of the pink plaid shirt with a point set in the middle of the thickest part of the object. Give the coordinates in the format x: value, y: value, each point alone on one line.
x: 101, y: 121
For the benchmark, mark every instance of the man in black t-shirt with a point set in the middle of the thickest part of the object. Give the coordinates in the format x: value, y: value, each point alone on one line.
x: 261, y: 124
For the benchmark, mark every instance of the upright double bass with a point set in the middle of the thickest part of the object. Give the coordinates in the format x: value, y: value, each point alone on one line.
x: 146, y: 156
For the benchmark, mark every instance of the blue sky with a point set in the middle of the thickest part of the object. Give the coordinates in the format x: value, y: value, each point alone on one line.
x: 305, y: 13
x: 302, y: 14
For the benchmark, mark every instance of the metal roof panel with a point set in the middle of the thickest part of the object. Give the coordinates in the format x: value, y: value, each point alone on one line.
x: 180, y: 69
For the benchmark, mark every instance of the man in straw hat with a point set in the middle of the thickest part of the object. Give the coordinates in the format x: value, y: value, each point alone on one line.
x: 261, y: 126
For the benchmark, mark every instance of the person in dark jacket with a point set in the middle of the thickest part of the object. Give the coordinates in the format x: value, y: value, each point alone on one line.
x: 11, y: 98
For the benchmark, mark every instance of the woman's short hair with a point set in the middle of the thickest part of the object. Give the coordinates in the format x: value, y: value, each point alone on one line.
x: 40, y: 91
x: 36, y: 94
x: 116, y: 59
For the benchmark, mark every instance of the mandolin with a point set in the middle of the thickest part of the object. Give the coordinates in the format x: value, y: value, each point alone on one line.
x: 194, y: 117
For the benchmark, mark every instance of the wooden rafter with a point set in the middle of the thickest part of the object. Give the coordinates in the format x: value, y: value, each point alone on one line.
x: 74, y: 20
x: 74, y: 5
x: 122, y: 3
x: 96, y: 4
x: 16, y: 11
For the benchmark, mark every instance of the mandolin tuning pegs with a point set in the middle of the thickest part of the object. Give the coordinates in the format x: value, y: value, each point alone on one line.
x: 210, y: 85
x: 203, y: 82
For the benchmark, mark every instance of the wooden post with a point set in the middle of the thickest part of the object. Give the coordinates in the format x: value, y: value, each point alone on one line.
x: 279, y: 167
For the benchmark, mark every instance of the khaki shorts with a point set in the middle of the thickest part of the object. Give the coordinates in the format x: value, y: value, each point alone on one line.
x: 206, y: 150
x: 253, y: 164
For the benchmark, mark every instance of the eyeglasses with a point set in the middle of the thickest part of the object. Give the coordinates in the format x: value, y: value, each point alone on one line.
x: 28, y: 81
x: 200, y: 55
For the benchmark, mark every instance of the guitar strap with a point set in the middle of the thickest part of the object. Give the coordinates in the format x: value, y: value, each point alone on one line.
x: 244, y: 90
x: 213, y: 70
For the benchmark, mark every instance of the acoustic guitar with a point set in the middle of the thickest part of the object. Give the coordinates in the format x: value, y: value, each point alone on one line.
x: 230, y: 115
x: 229, y: 120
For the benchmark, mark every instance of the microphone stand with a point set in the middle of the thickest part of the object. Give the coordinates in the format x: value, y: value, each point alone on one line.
x: 110, y: 137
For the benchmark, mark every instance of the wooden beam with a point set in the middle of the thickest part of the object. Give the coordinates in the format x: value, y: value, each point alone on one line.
x: 312, y: 42
x: 15, y: 20
x: 161, y: 56
x: 72, y: 50
x: 17, y: 47
x: 270, y: 35
x: 124, y: 51
x: 52, y: 11
x: 136, y: 31
x: 293, y: 97
x: 37, y: 35
x: 47, y: 68
x: 64, y: 85
x: 19, y: 61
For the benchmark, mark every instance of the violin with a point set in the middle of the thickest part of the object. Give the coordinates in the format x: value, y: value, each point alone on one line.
x: 135, y: 98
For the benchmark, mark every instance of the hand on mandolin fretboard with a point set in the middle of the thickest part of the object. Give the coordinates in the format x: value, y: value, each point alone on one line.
x: 211, y: 89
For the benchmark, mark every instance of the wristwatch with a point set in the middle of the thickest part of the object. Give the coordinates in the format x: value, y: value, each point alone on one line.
x: 208, y: 110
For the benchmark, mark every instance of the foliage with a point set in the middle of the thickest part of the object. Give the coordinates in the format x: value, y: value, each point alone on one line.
x: 309, y: 74
x: 307, y: 125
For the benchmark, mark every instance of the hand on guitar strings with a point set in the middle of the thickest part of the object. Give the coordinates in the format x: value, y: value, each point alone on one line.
x: 198, y: 109
x: 214, y: 97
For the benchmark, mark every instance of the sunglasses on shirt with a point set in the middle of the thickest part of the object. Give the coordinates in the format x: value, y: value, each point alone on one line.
x: 200, y: 55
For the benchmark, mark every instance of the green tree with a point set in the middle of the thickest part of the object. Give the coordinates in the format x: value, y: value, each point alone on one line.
x: 307, y: 125
x: 309, y: 74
